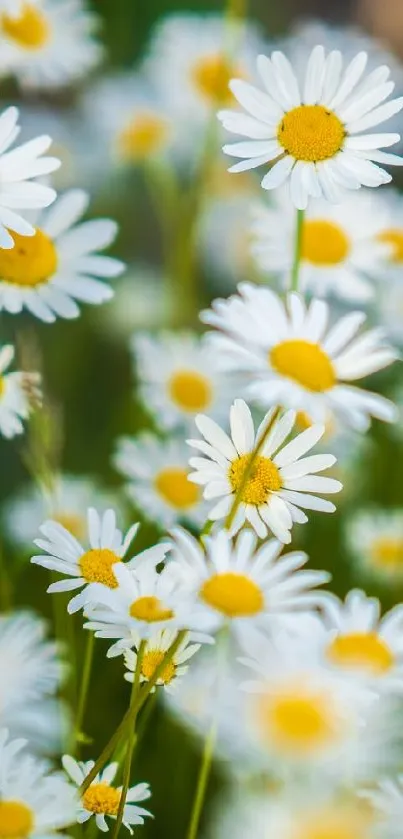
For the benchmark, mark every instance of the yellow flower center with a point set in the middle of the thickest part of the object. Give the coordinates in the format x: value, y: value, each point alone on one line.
x: 303, y: 421
x: 174, y: 486
x: 76, y: 525
x: 150, y: 609
x: 2, y: 385
x: 31, y: 262
x: 235, y: 595
x: 364, y: 650
x: 30, y: 30
x: 298, y: 722
x: 97, y: 564
x: 305, y: 363
x: 393, y: 237
x: 212, y: 75
x: 16, y: 820
x: 332, y: 823
x: 143, y: 135
x: 190, y: 391
x: 151, y: 660
x: 324, y: 243
x: 263, y: 479
x: 311, y: 133
x: 101, y: 798
x: 387, y: 554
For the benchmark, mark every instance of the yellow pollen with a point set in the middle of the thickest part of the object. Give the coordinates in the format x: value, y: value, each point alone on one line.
x: 97, y: 564
x: 364, y: 650
x: 29, y: 30
x: 235, y: 595
x: 176, y: 489
x: 263, y: 479
x: 31, y: 262
x: 341, y: 823
x: 324, y: 243
x: 393, y: 237
x: 305, y: 363
x: 73, y: 523
x: 190, y: 391
x: 101, y: 798
x: 143, y: 135
x: 297, y: 722
x: 16, y: 820
x: 212, y: 75
x: 150, y: 609
x: 311, y: 133
x: 151, y: 660
x: 387, y: 554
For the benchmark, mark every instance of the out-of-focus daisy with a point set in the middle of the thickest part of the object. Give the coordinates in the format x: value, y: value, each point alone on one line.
x: 340, y: 251
x: 17, y: 169
x: 225, y: 238
x: 102, y: 799
x: 280, y: 477
x: 81, y: 566
x: 243, y: 586
x: 141, y: 301
x: 390, y: 234
x: 19, y: 393
x: 390, y: 309
x: 48, y: 44
x: 386, y: 800
x: 179, y: 378
x: 154, y: 652
x: 375, y: 538
x: 48, y: 272
x: 312, y: 131
x: 293, y: 359
x: 157, y: 472
x: 34, y: 803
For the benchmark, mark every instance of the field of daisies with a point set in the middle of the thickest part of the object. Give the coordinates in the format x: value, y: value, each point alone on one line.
x: 201, y: 424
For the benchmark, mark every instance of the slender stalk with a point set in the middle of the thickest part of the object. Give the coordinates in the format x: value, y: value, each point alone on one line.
x: 85, y: 681
x: 202, y: 781
x: 206, y: 529
x: 297, y: 250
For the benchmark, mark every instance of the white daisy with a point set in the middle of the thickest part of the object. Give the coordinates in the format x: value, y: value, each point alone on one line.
x: 312, y: 131
x: 141, y: 301
x: 340, y: 249
x: 102, y: 799
x: 59, y: 265
x: 19, y: 394
x: 154, y: 652
x: 225, y: 239
x: 292, y: 358
x: 107, y: 547
x: 157, y: 473
x: 248, y: 588
x: 280, y: 477
x: 178, y: 378
x: 375, y: 539
x: 34, y: 803
x: 49, y: 44
x: 17, y: 169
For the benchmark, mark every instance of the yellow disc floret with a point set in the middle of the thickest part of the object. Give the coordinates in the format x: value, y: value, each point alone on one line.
x: 30, y: 29
x: 304, y: 362
x: 394, y: 238
x: 143, y: 136
x: 324, y: 243
x: 386, y: 553
x: 101, y: 798
x: 97, y: 566
x: 174, y: 486
x: 311, y: 133
x: 190, y: 390
x: 299, y: 722
x: 75, y: 524
x: 16, y: 820
x: 31, y: 262
x: 212, y: 75
x: 151, y: 660
x: 235, y: 595
x: 150, y: 609
x: 362, y: 650
x: 263, y: 479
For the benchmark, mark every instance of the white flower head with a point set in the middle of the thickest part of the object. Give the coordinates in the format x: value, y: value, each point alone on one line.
x: 312, y: 131
x: 375, y: 539
x: 153, y: 654
x: 280, y: 478
x: 157, y: 473
x: 102, y: 799
x: 292, y: 357
x: 58, y: 267
x: 19, y: 394
x: 83, y: 566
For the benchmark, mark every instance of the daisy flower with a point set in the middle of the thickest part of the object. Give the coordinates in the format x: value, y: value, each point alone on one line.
x: 19, y: 393
x: 157, y: 645
x: 178, y: 378
x: 102, y: 799
x: 34, y: 803
x: 96, y: 564
x: 340, y: 248
x: 311, y: 131
x: 249, y: 588
x: 375, y: 539
x: 280, y: 477
x: 158, y: 484
x: 293, y: 358
x: 17, y: 169
x: 59, y: 265
x: 48, y: 45
x: 141, y: 301
x: 224, y: 240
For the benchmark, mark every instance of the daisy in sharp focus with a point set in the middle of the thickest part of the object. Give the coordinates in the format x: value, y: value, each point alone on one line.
x: 280, y: 478
x: 48, y: 44
x: 95, y: 564
x: 58, y: 267
x: 102, y: 799
x: 293, y: 358
x: 154, y: 652
x: 19, y: 394
x: 375, y: 539
x: 311, y: 132
x: 157, y: 473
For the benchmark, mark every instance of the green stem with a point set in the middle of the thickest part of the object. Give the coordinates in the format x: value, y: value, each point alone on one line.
x: 297, y: 250
x: 206, y: 529
x: 202, y: 780
x: 85, y: 681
